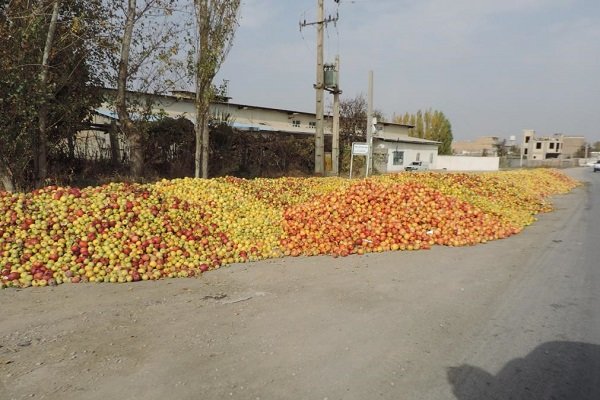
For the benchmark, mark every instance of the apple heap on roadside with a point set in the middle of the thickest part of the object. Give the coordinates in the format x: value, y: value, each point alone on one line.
x: 181, y: 228
x: 371, y: 216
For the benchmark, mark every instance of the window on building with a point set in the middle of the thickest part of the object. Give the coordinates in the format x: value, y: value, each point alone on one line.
x: 526, y: 139
x: 418, y: 157
x: 312, y: 125
x: 398, y: 158
x: 431, y: 158
x: 551, y: 145
x: 525, y: 152
x: 538, y: 145
x: 557, y: 146
x: 296, y: 123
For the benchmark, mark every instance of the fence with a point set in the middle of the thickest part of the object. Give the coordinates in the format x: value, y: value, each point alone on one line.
x: 553, y: 163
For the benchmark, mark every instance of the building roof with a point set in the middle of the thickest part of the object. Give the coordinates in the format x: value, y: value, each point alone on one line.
x: 187, y: 96
x: 107, y: 113
x: 408, y: 139
x: 271, y: 126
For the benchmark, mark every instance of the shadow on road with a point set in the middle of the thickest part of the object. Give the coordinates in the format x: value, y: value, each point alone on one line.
x: 553, y: 370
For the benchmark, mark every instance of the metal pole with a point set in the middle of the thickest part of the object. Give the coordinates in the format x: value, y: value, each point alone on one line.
x: 319, y: 134
x: 370, y: 123
x: 351, y: 159
x: 335, y: 141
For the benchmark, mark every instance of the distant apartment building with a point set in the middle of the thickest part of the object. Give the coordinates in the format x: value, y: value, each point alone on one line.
x: 542, y: 147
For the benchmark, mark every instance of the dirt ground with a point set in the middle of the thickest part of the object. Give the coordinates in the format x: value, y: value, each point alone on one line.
x: 362, y: 327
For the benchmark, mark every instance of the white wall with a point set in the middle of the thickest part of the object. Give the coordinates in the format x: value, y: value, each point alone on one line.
x: 460, y: 163
x: 426, y: 153
x: 275, y: 119
x: 392, y: 131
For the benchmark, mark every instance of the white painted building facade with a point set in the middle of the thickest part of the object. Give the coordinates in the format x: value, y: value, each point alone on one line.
x: 393, y: 148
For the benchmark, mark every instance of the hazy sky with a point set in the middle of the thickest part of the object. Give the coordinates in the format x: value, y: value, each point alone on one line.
x: 494, y: 67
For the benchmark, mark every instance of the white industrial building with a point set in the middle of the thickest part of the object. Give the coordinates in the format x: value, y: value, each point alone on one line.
x: 392, y: 146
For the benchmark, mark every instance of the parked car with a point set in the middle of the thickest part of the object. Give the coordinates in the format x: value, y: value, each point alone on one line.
x: 417, y: 166
x: 597, y: 166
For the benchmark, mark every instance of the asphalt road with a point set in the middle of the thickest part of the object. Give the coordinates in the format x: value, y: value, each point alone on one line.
x: 513, y: 319
x: 541, y: 338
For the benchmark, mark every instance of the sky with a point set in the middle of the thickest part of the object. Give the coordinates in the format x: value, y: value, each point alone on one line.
x: 493, y: 67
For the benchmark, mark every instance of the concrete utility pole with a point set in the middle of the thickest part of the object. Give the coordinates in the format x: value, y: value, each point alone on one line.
x: 370, y: 124
x: 587, y: 147
x: 335, y: 141
x: 320, y: 86
x: 320, y: 134
x: 522, y: 151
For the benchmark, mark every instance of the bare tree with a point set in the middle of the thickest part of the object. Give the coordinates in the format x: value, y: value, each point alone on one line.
x: 147, y: 47
x: 501, y: 148
x: 47, y: 84
x: 353, y: 120
x: 353, y: 124
x: 216, y: 22
x: 127, y: 125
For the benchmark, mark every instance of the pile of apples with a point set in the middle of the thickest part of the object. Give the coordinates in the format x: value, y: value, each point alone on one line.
x: 371, y: 216
x: 181, y: 228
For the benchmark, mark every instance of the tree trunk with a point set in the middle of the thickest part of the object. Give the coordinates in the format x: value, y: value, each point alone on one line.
x: 202, y: 140
x: 6, y: 179
x: 201, y: 88
x: 205, y: 146
x: 198, y: 138
x: 71, y: 145
x: 115, y: 146
x: 216, y: 22
x: 127, y: 126
x: 136, y: 150
x: 42, y: 147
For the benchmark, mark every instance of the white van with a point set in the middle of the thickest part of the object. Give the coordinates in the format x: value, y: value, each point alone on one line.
x: 417, y: 166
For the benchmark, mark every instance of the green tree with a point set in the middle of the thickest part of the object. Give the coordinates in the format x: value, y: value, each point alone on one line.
x: 46, y: 81
x: 431, y: 125
x: 419, y: 129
